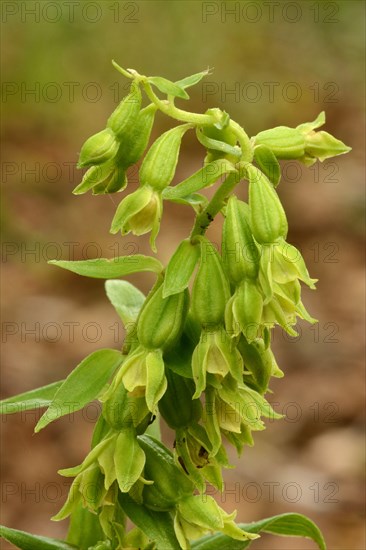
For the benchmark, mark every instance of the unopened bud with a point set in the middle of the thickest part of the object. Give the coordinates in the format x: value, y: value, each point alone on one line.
x: 99, y: 148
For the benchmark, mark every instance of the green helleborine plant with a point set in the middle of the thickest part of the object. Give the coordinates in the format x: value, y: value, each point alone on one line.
x: 199, y: 359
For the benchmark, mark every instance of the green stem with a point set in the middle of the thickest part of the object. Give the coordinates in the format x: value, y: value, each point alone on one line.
x: 171, y: 110
x: 204, y: 219
x: 243, y: 138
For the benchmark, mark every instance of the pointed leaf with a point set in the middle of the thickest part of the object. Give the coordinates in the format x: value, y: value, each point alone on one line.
x: 102, y: 268
x: 82, y: 385
x: 33, y: 399
x: 192, y: 80
x: 196, y: 200
x: 168, y: 87
x: 126, y: 298
x: 180, y: 268
x: 26, y: 541
x: 268, y: 163
x: 201, y: 179
x: 217, y: 145
x: 158, y: 526
x: 295, y: 525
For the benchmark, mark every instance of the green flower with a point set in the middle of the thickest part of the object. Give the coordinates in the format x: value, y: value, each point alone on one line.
x: 302, y: 143
x: 234, y: 408
x: 142, y: 374
x: 215, y: 354
x: 117, y: 458
x: 199, y: 514
x: 244, y: 310
x: 139, y: 213
x: 320, y: 145
x: 103, y: 178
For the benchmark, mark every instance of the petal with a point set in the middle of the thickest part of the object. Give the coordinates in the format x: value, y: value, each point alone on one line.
x: 129, y: 459
x: 130, y: 206
x: 156, y: 382
x: 199, y: 361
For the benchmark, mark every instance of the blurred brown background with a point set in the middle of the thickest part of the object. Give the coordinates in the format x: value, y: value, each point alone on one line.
x: 274, y: 63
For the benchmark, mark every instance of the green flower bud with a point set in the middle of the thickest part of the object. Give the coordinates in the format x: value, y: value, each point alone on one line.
x: 208, y: 515
x: 124, y: 116
x: 139, y: 213
x: 268, y: 163
x: 161, y: 320
x: 170, y: 484
x: 268, y: 218
x: 320, y: 145
x: 135, y: 143
x: 244, y: 310
x: 158, y: 167
x: 240, y: 253
x: 180, y: 267
x: 99, y: 148
x: 302, y: 143
x: 284, y: 142
x: 211, y: 288
x: 103, y: 178
x: 177, y: 406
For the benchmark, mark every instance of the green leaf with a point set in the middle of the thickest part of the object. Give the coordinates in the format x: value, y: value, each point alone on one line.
x: 85, y: 529
x: 196, y: 200
x: 192, y: 80
x: 82, y: 385
x: 180, y: 268
x: 168, y: 87
x: 204, y: 177
x: 268, y: 163
x: 101, y: 268
x: 158, y: 526
x: 126, y: 299
x: 33, y: 399
x: 295, y: 525
x: 26, y: 541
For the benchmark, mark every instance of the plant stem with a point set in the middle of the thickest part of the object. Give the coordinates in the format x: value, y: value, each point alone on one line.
x: 171, y: 110
x: 242, y: 136
x: 204, y: 219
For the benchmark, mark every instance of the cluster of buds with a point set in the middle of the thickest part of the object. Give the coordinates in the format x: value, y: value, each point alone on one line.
x: 109, y: 153
x: 201, y: 357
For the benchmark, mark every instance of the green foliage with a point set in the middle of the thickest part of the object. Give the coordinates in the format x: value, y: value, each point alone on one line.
x: 213, y: 340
